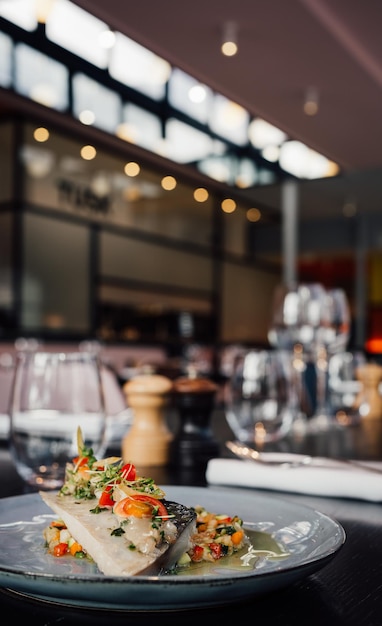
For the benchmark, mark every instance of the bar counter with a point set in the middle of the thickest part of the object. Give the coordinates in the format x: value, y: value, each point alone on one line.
x: 346, y: 591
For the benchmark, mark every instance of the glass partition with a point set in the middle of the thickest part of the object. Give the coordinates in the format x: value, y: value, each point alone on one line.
x: 56, y: 277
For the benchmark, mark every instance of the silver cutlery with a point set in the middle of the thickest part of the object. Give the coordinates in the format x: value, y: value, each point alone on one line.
x: 291, y: 460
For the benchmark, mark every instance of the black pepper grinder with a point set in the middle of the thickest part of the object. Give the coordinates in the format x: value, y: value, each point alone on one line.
x: 194, y: 443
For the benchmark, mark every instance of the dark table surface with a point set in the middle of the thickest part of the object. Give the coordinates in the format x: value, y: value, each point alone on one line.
x: 346, y: 591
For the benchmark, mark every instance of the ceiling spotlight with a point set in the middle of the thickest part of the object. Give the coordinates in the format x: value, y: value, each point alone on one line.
x: 311, y: 101
x: 229, y: 45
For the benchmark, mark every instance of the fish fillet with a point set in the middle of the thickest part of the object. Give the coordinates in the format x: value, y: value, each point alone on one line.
x: 139, y: 550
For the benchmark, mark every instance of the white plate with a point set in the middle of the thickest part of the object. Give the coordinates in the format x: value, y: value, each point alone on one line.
x: 311, y: 538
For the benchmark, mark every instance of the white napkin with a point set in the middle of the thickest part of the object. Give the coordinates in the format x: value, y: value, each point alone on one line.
x: 350, y: 482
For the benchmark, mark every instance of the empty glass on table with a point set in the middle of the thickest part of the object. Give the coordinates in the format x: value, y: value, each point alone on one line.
x: 53, y: 395
x: 257, y: 396
x: 313, y: 323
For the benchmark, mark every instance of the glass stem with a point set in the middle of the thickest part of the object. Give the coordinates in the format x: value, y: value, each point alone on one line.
x: 322, y: 408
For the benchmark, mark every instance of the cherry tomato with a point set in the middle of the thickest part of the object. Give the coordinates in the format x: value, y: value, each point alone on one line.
x: 128, y: 472
x: 161, y: 509
x: 60, y: 549
x: 216, y: 550
x: 197, y: 554
x: 105, y: 498
x: 140, y: 505
x: 79, y: 461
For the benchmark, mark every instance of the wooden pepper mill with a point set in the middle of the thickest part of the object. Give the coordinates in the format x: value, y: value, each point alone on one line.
x: 147, y: 442
x: 370, y: 375
x: 194, y: 443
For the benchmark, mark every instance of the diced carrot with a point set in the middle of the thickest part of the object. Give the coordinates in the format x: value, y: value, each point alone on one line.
x: 237, y: 537
x: 57, y: 524
x: 75, y: 547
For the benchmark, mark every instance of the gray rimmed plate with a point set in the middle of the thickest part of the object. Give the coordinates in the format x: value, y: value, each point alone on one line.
x: 310, y: 539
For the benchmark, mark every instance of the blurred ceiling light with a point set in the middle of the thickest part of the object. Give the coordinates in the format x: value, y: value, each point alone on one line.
x: 88, y: 153
x: 197, y: 94
x: 253, y: 215
x: 107, y: 39
x: 43, y: 9
x: 87, y: 117
x: 262, y: 134
x: 132, y: 169
x: 311, y: 101
x: 228, y: 205
x: 41, y: 134
x: 229, y: 45
x: 168, y: 183
x: 200, y: 194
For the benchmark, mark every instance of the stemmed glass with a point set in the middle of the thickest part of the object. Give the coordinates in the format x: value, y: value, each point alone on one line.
x: 293, y: 322
x: 313, y: 323
x: 332, y: 337
x: 256, y: 396
x: 56, y: 401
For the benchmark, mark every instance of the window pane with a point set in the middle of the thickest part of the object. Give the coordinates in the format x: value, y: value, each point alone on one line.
x: 48, y: 281
x: 40, y: 78
x: 77, y: 31
x: 137, y: 67
x: 244, y: 284
x: 185, y: 144
x: 221, y: 168
x: 141, y: 127
x: 90, y: 96
x: 189, y: 96
x: 229, y: 120
x: 236, y: 231
x: 5, y: 60
x: 138, y: 260
x: 19, y: 12
x: 101, y: 191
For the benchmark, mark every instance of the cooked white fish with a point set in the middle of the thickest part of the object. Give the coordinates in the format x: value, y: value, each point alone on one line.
x: 136, y: 547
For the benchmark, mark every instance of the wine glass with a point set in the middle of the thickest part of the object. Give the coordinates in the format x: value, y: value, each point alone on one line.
x: 292, y: 328
x: 332, y: 338
x: 257, y: 396
x: 313, y: 323
x: 53, y: 395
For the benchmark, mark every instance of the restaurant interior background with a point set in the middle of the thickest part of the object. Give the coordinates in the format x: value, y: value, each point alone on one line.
x: 129, y: 214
